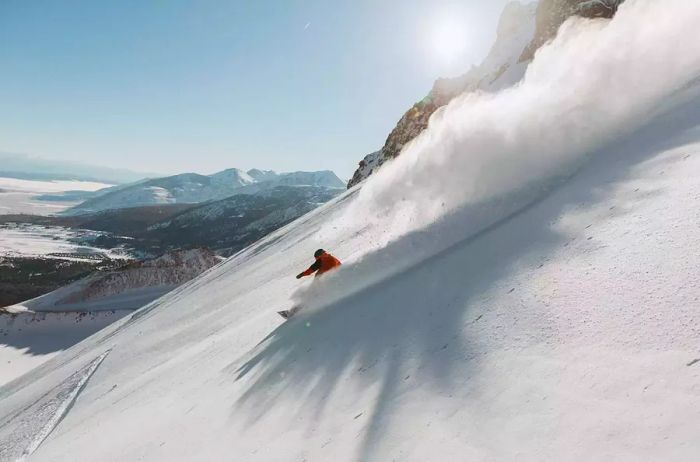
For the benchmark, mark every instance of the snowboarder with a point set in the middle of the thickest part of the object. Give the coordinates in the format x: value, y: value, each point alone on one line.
x: 323, y: 264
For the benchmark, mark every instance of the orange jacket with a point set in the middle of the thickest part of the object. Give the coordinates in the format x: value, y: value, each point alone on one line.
x: 323, y: 264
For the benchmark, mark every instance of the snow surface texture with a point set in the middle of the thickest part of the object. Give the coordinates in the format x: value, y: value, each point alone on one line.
x: 34, y: 331
x: 546, y: 313
x: 30, y: 339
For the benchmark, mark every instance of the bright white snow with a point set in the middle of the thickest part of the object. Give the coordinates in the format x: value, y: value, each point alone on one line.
x: 30, y: 339
x: 33, y: 331
x: 551, y: 317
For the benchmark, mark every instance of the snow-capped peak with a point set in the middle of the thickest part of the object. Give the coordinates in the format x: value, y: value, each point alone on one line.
x: 233, y: 177
x: 262, y: 175
x: 192, y: 188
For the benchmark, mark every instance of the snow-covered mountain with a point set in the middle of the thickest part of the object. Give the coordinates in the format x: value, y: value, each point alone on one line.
x: 233, y: 223
x: 192, y: 188
x: 224, y: 226
x: 232, y: 178
x: 64, y: 317
x: 124, y: 288
x: 262, y: 175
x: 322, y: 179
x: 531, y: 296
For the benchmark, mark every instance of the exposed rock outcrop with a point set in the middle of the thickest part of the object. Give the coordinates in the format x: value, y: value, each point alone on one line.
x: 522, y: 30
x: 169, y: 270
x: 551, y: 14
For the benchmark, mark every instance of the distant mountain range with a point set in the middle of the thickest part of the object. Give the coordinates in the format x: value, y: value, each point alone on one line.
x: 193, y: 188
x: 231, y: 224
x: 225, y: 226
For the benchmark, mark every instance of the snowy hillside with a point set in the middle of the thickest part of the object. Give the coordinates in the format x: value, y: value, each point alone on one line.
x: 192, y: 188
x: 231, y: 224
x: 97, y: 292
x: 62, y: 318
x: 270, y: 180
x: 532, y: 295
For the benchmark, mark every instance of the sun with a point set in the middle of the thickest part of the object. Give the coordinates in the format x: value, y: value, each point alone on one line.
x: 449, y: 39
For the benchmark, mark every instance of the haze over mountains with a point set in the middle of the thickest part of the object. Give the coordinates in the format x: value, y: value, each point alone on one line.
x: 193, y: 188
x: 35, y: 168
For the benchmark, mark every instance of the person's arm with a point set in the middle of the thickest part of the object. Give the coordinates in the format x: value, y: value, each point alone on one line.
x: 311, y: 270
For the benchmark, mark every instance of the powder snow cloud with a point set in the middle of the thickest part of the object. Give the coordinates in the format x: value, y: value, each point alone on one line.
x: 596, y: 81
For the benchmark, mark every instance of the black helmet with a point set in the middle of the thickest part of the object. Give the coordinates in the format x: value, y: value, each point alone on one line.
x: 319, y: 252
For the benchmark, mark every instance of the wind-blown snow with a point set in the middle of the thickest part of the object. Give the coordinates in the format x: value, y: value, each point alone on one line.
x: 547, y: 320
x: 597, y: 81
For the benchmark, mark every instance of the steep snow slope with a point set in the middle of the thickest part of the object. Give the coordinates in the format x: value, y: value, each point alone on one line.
x: 563, y: 333
x: 34, y: 331
x: 552, y: 319
x: 30, y: 339
x: 233, y: 176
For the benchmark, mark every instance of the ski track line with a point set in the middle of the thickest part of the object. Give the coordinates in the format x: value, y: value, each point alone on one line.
x: 63, y: 408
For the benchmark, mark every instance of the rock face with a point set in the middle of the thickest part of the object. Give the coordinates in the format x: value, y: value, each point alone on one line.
x: 551, y: 14
x: 128, y: 287
x: 169, y: 270
x: 522, y: 29
x: 516, y: 29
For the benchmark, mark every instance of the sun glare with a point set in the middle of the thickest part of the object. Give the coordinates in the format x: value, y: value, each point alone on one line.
x: 449, y: 39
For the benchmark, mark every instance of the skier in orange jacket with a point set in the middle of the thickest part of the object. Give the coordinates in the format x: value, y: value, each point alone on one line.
x: 324, y: 263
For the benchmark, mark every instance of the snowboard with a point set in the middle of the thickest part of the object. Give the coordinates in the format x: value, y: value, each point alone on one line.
x: 286, y: 314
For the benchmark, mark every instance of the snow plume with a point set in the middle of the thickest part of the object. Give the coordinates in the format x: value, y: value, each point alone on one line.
x: 596, y: 81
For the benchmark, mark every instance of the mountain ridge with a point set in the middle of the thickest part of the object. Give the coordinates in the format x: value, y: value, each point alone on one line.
x: 194, y: 188
x: 521, y: 31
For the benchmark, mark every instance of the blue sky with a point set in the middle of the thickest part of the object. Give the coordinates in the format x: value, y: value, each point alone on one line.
x: 171, y: 86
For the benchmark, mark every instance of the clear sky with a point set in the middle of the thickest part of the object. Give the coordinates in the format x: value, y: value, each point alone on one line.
x: 170, y: 86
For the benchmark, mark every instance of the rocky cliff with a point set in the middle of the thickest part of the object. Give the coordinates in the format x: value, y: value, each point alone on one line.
x: 522, y: 29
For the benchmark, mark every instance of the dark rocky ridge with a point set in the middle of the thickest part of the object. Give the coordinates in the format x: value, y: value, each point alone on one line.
x: 551, y: 14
